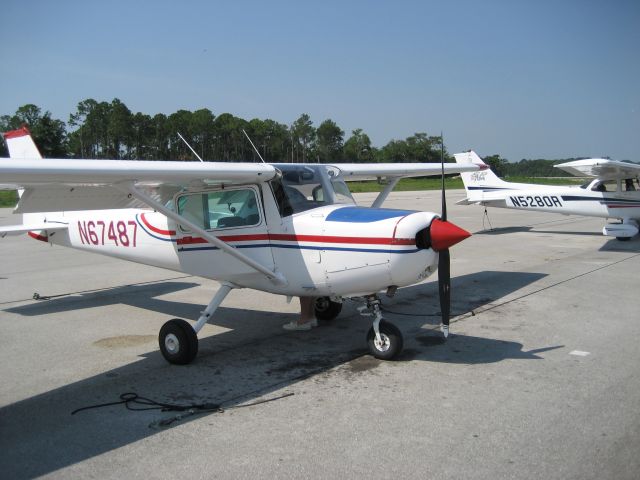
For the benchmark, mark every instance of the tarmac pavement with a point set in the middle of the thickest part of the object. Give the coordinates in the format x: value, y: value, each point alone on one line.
x: 539, y: 378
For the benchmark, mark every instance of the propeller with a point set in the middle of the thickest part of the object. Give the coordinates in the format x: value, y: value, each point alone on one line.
x: 439, y: 236
x: 444, y: 262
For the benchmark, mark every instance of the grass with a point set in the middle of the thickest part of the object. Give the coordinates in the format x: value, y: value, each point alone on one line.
x: 434, y: 183
x: 8, y: 198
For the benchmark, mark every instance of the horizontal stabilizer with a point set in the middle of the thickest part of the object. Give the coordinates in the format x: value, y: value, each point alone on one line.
x: 36, y: 227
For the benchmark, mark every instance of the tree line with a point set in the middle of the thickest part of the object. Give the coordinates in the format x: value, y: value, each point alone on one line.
x: 111, y: 130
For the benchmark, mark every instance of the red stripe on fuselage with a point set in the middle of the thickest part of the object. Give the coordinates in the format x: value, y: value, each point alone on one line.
x: 156, y: 230
x: 302, y: 238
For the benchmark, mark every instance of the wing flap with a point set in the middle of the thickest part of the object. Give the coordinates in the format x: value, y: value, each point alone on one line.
x: 59, y: 198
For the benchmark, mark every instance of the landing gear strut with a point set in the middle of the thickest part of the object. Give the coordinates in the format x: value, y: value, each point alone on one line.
x: 384, y: 339
x: 179, y: 340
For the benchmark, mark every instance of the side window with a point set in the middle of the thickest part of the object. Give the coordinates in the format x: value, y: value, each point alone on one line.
x: 606, y: 186
x: 629, y: 186
x: 220, y: 209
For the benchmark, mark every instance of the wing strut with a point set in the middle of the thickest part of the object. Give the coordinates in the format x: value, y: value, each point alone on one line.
x: 382, y: 196
x: 276, y: 277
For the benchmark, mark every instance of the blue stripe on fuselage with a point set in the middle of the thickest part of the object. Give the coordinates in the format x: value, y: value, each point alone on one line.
x: 365, y: 215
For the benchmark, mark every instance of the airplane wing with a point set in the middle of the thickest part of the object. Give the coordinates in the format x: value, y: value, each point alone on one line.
x: 600, y: 167
x: 372, y: 171
x: 57, y: 185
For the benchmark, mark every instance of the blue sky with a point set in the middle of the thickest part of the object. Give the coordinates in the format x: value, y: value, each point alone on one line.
x: 524, y: 79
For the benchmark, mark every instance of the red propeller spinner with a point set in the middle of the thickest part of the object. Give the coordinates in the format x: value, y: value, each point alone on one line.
x: 445, y: 234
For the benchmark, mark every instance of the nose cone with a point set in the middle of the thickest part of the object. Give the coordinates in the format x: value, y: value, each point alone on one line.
x: 445, y: 234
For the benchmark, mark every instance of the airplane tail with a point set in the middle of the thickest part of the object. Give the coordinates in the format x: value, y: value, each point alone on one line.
x: 20, y: 144
x: 478, y: 184
x: 21, y: 147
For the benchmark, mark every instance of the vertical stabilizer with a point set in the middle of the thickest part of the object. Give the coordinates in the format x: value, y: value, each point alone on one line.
x: 20, y: 144
x: 476, y: 183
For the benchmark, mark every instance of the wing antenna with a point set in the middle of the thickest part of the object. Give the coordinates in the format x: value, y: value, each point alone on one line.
x: 190, y: 148
x: 254, y: 147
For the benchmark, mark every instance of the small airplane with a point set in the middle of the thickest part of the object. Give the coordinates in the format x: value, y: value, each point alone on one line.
x: 613, y: 193
x: 288, y: 229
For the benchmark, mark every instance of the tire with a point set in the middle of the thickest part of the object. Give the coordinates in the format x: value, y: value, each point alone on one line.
x: 178, y: 342
x: 326, y: 309
x: 623, y: 239
x: 392, y: 341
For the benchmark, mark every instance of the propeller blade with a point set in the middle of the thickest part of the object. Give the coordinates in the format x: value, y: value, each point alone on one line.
x: 444, y: 289
x: 444, y: 199
x: 443, y: 235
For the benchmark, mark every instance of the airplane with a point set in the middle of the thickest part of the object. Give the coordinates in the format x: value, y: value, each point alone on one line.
x: 287, y: 229
x: 613, y: 193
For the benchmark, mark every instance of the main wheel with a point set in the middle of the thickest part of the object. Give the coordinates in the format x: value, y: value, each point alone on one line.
x: 623, y: 239
x: 391, y: 344
x: 326, y: 309
x: 178, y: 342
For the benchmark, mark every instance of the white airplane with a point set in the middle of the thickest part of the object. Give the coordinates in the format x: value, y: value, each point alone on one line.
x: 288, y: 229
x: 613, y: 193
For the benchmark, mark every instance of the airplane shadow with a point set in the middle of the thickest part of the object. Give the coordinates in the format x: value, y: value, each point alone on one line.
x: 533, y: 229
x: 39, y: 436
x: 569, y: 232
x: 502, y: 230
x: 614, y: 245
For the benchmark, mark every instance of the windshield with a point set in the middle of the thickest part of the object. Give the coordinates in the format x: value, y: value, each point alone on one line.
x: 303, y: 187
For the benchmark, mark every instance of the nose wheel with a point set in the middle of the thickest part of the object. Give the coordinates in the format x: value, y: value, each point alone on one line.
x: 389, y: 343
x: 384, y: 339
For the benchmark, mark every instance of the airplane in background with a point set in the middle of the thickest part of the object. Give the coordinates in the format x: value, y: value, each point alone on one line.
x: 287, y: 229
x: 613, y: 193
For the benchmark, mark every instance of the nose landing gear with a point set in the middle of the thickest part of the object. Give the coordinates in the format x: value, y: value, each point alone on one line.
x: 384, y: 339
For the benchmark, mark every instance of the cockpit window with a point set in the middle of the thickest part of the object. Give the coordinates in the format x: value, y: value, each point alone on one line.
x: 605, y: 186
x: 303, y: 187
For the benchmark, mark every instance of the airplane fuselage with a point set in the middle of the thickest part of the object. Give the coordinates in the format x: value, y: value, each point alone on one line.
x: 336, y: 250
x: 566, y: 200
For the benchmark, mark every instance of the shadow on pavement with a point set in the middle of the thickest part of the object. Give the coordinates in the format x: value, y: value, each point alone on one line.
x: 40, y: 436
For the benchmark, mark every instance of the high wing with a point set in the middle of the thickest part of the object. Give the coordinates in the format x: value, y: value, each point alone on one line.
x: 601, y: 168
x: 372, y: 171
x: 66, y: 185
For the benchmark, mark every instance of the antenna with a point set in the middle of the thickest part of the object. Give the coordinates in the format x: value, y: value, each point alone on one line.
x: 187, y: 144
x: 254, y: 147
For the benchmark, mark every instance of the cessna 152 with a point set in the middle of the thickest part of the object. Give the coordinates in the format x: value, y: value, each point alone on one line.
x: 288, y: 229
x: 613, y: 193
